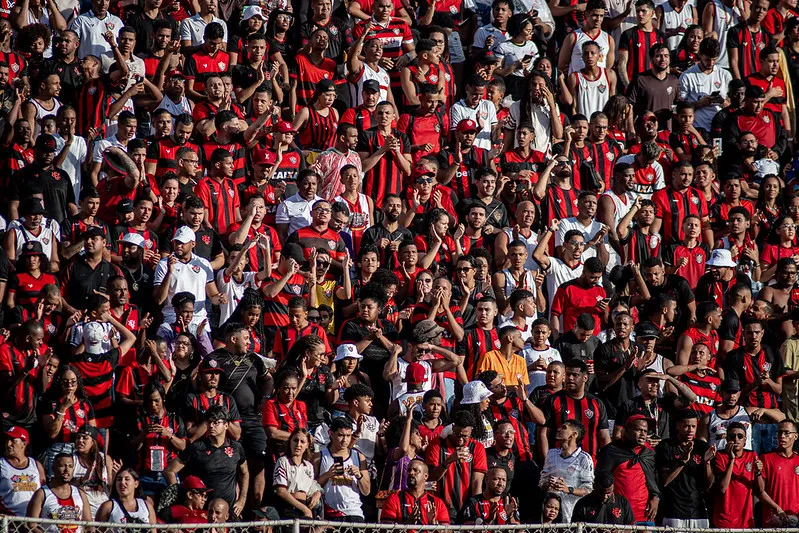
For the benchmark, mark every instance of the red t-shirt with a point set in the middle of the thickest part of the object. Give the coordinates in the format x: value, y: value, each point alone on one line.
x: 781, y: 475
x: 572, y: 299
x: 733, y: 508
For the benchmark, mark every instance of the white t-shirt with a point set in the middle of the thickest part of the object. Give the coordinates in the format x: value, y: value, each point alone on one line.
x: 531, y: 356
x: 483, y: 32
x: 646, y: 191
x: 568, y: 224
x: 488, y: 114
x: 513, y: 52
x: 398, y: 385
x: 695, y: 84
x: 102, y: 144
x: 90, y: 30
x: 296, y: 212
x: 234, y: 291
x: 186, y: 277
x: 78, y: 151
x: 296, y: 478
x: 542, y: 124
x: 193, y: 29
x: 558, y: 274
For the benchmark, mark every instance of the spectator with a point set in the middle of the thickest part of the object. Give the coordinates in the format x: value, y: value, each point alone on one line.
x: 294, y: 480
x: 737, y: 470
x: 568, y: 471
x: 342, y: 497
x: 70, y: 502
x: 426, y: 509
x: 124, y: 495
x: 15, y: 459
x: 604, y: 504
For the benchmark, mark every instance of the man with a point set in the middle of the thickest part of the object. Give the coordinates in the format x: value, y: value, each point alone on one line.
x: 249, y: 75
x: 636, y: 42
x: 295, y: 212
x: 715, y: 285
x: 704, y: 330
x: 760, y: 372
x: 389, y: 233
x: 492, y: 506
x: 192, y: 29
x: 91, y: 28
x: 143, y: 20
x: 330, y: 162
x: 678, y: 200
x: 313, y: 67
x: 545, y: 116
x: 632, y: 464
x: 700, y: 378
x: 319, y: 235
x: 474, y: 107
x: 122, y: 53
x: 521, y: 233
x: 766, y: 78
x: 458, y: 463
x: 616, y: 365
x: 754, y: 117
x: 574, y: 403
x: 581, y: 295
x: 685, y: 469
x: 738, y: 472
x: 87, y: 273
x: 125, y: 133
x: 42, y: 176
x: 184, y: 271
x: 385, y: 155
x: 19, y: 372
x: 585, y: 222
x: 746, y: 40
x: 656, y: 89
x: 739, y: 301
x: 649, y: 175
x: 424, y: 126
x: 415, y: 505
x: 344, y: 470
x: 604, y: 505
x: 568, y: 471
x: 490, y: 36
x: 705, y: 84
x: 217, y: 459
x: 715, y: 425
x: 780, y: 481
x: 208, y: 395
x: 164, y: 153
x: 735, y: 94
x: 219, y: 193
x: 657, y: 281
x: 207, y: 244
x: 74, y: 227
x: 72, y: 149
x: 65, y: 62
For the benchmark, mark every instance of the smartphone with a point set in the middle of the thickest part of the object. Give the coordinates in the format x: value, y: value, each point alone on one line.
x: 338, y: 460
x: 716, y: 143
x: 528, y: 57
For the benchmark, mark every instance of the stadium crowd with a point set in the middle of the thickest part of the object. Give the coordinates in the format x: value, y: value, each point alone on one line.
x: 432, y: 262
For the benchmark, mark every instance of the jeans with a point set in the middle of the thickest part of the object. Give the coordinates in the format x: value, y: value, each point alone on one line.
x: 152, y: 483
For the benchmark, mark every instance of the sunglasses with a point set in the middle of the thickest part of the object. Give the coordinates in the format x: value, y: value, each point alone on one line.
x: 424, y: 350
x: 322, y: 264
x: 463, y: 269
x: 424, y: 180
x: 736, y: 436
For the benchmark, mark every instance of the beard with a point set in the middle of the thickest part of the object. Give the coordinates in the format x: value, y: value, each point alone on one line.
x: 391, y: 216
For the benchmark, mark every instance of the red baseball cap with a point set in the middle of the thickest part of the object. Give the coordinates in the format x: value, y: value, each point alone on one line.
x: 420, y: 171
x: 635, y: 418
x: 16, y: 432
x: 467, y: 124
x: 415, y: 373
x: 264, y: 157
x: 194, y: 483
x: 283, y: 126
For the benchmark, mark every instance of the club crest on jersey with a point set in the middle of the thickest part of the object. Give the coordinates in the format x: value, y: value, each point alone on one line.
x: 616, y: 512
x: 767, y: 119
x: 695, y: 200
x: 669, y: 90
x: 207, y: 239
x: 611, y: 156
x: 196, y: 269
x: 333, y: 30
x: 331, y: 244
x: 296, y: 289
x: 221, y: 65
x: 292, y: 159
x: 229, y: 451
x: 231, y: 193
x: 589, y: 414
x: 748, y: 467
x: 433, y: 78
x: 699, y: 259
x: 717, y: 84
x: 80, y: 413
x: 453, y: 10
x: 497, y: 343
x: 602, y: 87
x: 396, y: 31
x: 766, y: 367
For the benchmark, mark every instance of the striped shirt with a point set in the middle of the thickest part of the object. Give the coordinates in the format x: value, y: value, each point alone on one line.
x: 637, y: 42
x: 308, y: 74
x: 589, y: 410
x: 706, y: 389
x: 221, y: 198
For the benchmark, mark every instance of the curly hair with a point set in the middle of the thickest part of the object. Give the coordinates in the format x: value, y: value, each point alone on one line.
x: 28, y: 35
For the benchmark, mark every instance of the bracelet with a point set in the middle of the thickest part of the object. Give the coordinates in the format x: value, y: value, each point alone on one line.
x: 59, y: 413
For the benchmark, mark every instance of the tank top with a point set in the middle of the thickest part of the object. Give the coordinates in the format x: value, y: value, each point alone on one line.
x: 341, y: 494
x: 140, y: 516
x: 581, y: 37
x: 94, y: 487
x: 17, y: 486
x: 69, y: 509
x: 368, y: 73
x: 717, y: 428
x: 175, y: 109
x: 622, y: 205
x: 531, y: 242
x: 673, y: 19
x: 725, y: 18
x: 42, y: 112
x: 657, y: 366
x: 319, y: 131
x: 24, y: 236
x: 510, y: 282
x: 359, y: 218
x: 592, y: 95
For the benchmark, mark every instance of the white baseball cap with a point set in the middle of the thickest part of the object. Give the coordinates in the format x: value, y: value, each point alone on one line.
x: 93, y: 336
x: 252, y: 11
x: 134, y: 239
x: 185, y: 235
x: 347, y: 350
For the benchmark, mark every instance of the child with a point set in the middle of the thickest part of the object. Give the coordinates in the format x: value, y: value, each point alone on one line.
x: 687, y: 258
x: 539, y: 354
x: 688, y: 138
x: 298, y: 327
x: 346, y: 374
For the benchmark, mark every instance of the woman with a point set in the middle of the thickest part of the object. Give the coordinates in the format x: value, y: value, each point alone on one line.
x: 299, y: 495
x: 183, y: 303
x: 161, y: 436
x: 424, y: 196
x: 346, y: 374
x: 60, y: 499
x: 191, y: 509
x: 167, y: 212
x: 620, y: 119
x: 93, y: 469
x: 284, y: 413
x: 772, y: 253
x: 476, y: 398
x: 316, y: 388
x: 186, y: 357
x: 768, y: 208
x: 616, y: 307
x: 65, y: 411
x: 518, y: 54
x: 318, y: 122
x: 44, y: 12
x: 439, y: 251
x: 15, y: 463
x: 125, y: 507
x: 31, y: 275
x: 687, y: 53
x: 248, y: 313
x: 550, y: 509
x: 278, y: 32
x: 361, y: 207
x: 237, y: 47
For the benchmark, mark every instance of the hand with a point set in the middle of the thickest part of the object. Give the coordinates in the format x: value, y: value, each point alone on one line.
x: 202, y: 326
x: 682, y: 262
x: 306, y: 512
x: 347, y: 261
x: 238, y: 507
x: 222, y: 298
x: 489, y: 43
x: 110, y: 39
x: 437, y: 197
x: 459, y: 232
x: 415, y: 200
x: 354, y: 471
x: 294, y: 266
x: 386, y: 63
x: 757, y: 414
x: 709, y: 454
x: 383, y: 243
x: 401, y: 61
x: 170, y: 263
x: 730, y: 451
x: 652, y: 509
x: 463, y: 454
x: 758, y: 467
x: 686, y: 449
x: 603, y: 304
x: 394, y: 245
x: 554, y: 225
x: 315, y: 498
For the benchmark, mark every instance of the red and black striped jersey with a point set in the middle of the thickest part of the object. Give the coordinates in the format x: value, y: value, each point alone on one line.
x: 709, y: 290
x: 360, y: 117
x: 711, y: 341
x: 774, y: 22
x: 97, y: 373
x: 454, y: 488
x: 76, y: 416
x: 288, y: 335
x: 386, y: 177
x: 559, y: 204
x: 256, y: 254
x: 639, y: 245
x: 207, y: 110
x: 424, y: 129
x: 26, y: 288
x: 200, y: 65
x: 589, y: 410
x: 285, y: 417
x: 749, y: 44
x: 319, y: 131
x: 236, y: 149
x: 197, y: 403
x: 687, y: 142
x: 637, y: 42
x: 476, y: 342
x: 481, y: 510
x: 221, y: 198
x: 92, y: 104
x: 133, y: 379
x: 311, y: 238
x: 393, y: 35
x: 672, y: 206
x: 748, y: 368
x: 472, y: 160
x: 403, y: 508
x: 276, y: 310
x: 16, y: 63
x: 308, y: 74
x: 422, y: 310
x: 706, y: 389
x: 21, y: 399
x: 162, y: 152
x: 534, y: 161
x: 605, y: 155
x: 14, y: 159
x: 73, y: 228
x: 156, y: 442
x: 513, y: 409
x: 445, y: 254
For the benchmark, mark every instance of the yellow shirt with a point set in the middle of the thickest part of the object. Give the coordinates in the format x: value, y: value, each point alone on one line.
x: 494, y: 360
x: 325, y: 295
x: 790, y: 402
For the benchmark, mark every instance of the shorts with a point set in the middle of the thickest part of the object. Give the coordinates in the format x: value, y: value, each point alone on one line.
x: 253, y: 438
x: 685, y: 524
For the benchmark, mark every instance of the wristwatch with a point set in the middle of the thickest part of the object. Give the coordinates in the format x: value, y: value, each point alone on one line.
x: 571, y: 490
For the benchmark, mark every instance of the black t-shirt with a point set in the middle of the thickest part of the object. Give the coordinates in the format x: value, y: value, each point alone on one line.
x: 658, y: 411
x: 678, y: 287
x: 592, y: 510
x: 54, y: 183
x: 683, y: 497
x: 355, y: 330
x: 206, y: 245
x: 217, y: 467
x: 243, y: 379
x: 507, y: 463
x: 609, y: 358
x: 313, y: 394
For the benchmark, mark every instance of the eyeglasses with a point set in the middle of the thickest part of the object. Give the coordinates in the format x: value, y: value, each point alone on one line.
x: 314, y: 318
x: 323, y: 210
x: 69, y: 382
x: 508, y: 433
x: 217, y: 422
x: 199, y: 494
x: 788, y: 226
x: 577, y: 244
x: 192, y: 161
x: 424, y: 180
x: 736, y: 436
x: 183, y: 343
x: 424, y: 350
x: 785, y: 432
